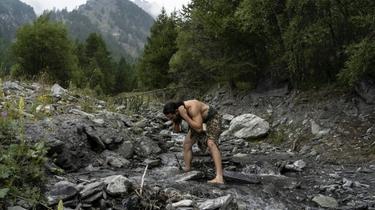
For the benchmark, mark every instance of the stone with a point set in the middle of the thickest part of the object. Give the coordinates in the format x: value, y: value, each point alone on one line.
x: 57, y: 91
x: 15, y: 208
x: 191, y: 175
x: 366, y: 89
x: 126, y: 149
x: 241, y: 177
x: 62, y: 190
x: 117, y: 185
x: 325, y: 201
x: 248, y: 126
x: 91, y: 189
x: 220, y: 202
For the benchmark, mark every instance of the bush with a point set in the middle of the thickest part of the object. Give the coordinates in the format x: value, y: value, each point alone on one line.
x: 361, y: 62
x: 21, y: 165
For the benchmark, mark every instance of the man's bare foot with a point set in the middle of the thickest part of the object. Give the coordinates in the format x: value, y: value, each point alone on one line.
x: 217, y: 180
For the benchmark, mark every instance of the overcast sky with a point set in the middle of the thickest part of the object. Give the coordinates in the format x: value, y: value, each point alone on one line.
x: 41, y: 5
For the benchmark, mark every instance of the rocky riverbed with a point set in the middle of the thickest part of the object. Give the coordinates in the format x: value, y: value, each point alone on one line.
x: 281, y: 150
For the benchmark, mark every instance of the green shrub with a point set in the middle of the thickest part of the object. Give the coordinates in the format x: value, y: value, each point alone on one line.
x: 21, y: 165
x: 360, y: 63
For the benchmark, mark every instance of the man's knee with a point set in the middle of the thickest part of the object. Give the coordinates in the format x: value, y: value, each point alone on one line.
x: 188, y: 143
x: 211, y: 144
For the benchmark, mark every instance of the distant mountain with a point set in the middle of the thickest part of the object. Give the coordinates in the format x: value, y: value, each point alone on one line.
x: 123, y: 25
x: 151, y: 8
x: 13, y: 14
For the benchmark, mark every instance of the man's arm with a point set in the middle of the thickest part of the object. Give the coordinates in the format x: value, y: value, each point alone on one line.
x: 195, y: 121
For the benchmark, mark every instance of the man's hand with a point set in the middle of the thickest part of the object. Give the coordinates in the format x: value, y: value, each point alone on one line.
x: 182, y: 111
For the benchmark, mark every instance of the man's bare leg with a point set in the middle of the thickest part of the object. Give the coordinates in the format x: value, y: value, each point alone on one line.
x: 216, y: 156
x: 188, y: 153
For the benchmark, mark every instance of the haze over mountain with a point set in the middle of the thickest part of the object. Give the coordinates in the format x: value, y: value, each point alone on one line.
x: 13, y: 14
x: 123, y: 25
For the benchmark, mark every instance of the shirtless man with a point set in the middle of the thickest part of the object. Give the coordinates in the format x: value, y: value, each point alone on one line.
x: 205, y: 128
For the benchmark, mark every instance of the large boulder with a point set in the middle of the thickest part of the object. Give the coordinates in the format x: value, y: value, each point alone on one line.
x: 248, y: 126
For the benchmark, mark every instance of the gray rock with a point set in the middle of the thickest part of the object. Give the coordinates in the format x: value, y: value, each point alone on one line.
x: 61, y: 191
x: 220, y: 202
x: 325, y: 201
x: 248, y: 126
x: 296, y: 166
x: 317, y: 130
x: 145, y: 147
x: 366, y: 89
x: 8, y: 85
x: 57, y: 91
x: 191, y: 175
x: 93, y: 197
x: 82, y: 113
x: 117, y: 185
x: 179, y: 204
x: 94, y: 138
x: 91, y: 189
x: 117, y: 162
x: 126, y: 150
x: 15, y: 208
x: 241, y: 177
x: 152, y: 162
x: 228, y: 117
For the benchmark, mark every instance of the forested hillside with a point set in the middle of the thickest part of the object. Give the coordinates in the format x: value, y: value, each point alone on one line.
x: 13, y: 14
x: 123, y: 25
x: 307, y: 43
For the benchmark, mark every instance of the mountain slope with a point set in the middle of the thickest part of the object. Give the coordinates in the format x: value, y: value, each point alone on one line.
x: 13, y: 13
x: 123, y: 25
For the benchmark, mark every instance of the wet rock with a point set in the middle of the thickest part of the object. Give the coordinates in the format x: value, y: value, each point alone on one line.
x: 93, y: 197
x: 117, y: 185
x: 325, y: 201
x: 248, y: 126
x: 191, y: 175
x: 182, y: 203
x: 298, y: 165
x: 241, y: 177
x: 61, y: 191
x: 220, y: 202
x: 91, y: 189
x: 152, y: 162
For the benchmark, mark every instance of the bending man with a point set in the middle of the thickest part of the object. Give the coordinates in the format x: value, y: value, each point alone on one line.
x: 205, y: 129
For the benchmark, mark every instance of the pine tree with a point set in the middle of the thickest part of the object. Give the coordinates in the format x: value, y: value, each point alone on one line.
x: 153, y: 66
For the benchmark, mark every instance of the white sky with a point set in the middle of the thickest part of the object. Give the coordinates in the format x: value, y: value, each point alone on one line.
x: 41, y: 5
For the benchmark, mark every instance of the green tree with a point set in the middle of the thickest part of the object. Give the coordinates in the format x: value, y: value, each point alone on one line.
x: 153, y: 66
x: 97, y: 68
x: 124, y: 77
x: 44, y: 47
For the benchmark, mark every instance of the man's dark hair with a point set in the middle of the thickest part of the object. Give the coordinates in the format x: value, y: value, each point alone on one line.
x: 171, y: 107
